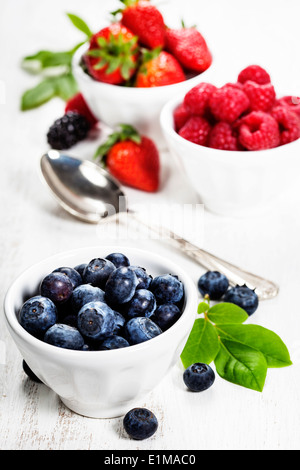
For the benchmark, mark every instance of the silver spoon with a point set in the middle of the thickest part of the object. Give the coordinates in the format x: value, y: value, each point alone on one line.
x: 91, y: 194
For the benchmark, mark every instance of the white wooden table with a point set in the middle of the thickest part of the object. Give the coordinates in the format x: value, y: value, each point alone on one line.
x: 34, y: 227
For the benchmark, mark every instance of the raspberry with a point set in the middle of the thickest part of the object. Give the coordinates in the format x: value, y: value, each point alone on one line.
x: 180, y: 115
x: 255, y: 73
x: 289, y: 124
x: 196, y: 130
x: 78, y: 105
x: 68, y: 131
x: 262, y: 97
x: 292, y: 101
x: 223, y: 137
x: 228, y: 103
x: 259, y: 131
x: 196, y: 99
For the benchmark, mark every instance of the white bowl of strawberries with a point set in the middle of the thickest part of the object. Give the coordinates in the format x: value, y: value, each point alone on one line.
x: 238, y: 144
x: 129, y: 69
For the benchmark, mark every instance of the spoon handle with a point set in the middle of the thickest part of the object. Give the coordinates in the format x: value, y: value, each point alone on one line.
x: 264, y: 288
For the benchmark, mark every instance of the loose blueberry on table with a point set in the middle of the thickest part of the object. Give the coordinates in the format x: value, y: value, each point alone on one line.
x: 198, y: 377
x: 140, y: 423
x: 102, y: 304
x: 214, y: 284
x: 243, y: 297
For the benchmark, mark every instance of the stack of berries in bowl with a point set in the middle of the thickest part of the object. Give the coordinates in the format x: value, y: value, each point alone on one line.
x: 241, y: 116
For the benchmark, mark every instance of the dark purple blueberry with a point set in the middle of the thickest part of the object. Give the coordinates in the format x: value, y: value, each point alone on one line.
x: 114, y: 342
x: 167, y: 289
x: 140, y: 329
x: 243, y: 297
x: 166, y: 315
x: 213, y: 284
x: 140, y: 423
x: 72, y: 274
x: 84, y: 294
x: 120, y: 322
x: 198, y: 377
x: 37, y: 315
x: 143, y: 304
x: 118, y: 259
x: 80, y: 268
x: 96, y: 321
x: 64, y: 336
x: 144, y: 279
x: 121, y: 286
x: 97, y: 272
x: 57, y: 287
x: 29, y: 372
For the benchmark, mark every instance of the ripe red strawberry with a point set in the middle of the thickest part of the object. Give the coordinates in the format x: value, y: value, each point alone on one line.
x: 259, y: 131
x: 255, y: 73
x: 262, y: 97
x: 223, y: 137
x: 196, y: 130
x: 146, y: 21
x: 180, y: 115
x: 228, y: 103
x: 112, y: 55
x: 132, y: 159
x: 196, y: 100
x: 289, y: 124
x: 78, y: 104
x: 162, y: 69
x: 189, y: 47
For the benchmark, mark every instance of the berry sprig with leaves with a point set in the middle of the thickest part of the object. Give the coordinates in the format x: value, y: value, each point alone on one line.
x: 55, y: 71
x: 242, y: 353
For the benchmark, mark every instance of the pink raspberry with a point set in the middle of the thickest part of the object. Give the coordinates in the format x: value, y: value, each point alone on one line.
x: 262, y: 97
x: 196, y: 130
x: 196, y: 99
x: 255, y: 73
x: 292, y: 101
x: 180, y: 115
x: 223, y: 137
x: 259, y: 131
x: 289, y: 124
x: 228, y: 103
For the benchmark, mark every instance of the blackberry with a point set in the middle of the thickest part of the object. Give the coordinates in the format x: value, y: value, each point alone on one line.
x: 67, y: 131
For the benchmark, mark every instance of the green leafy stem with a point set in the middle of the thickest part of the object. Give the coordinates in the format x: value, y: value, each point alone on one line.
x: 242, y: 353
x: 55, y: 71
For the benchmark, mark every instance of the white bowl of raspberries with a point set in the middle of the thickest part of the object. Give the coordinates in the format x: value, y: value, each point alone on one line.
x: 130, y: 68
x: 101, y: 326
x: 238, y: 144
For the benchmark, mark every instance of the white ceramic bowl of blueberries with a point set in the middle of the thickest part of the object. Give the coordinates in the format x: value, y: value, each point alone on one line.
x: 105, y: 334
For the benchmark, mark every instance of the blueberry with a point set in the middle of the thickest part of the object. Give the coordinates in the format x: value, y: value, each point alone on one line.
x: 243, y: 297
x: 37, y: 315
x: 114, y: 342
x: 144, y: 279
x: 121, y: 286
x: 167, y: 289
x: 198, y: 377
x: 120, y: 322
x: 166, y: 315
x: 30, y: 372
x: 64, y: 336
x: 118, y: 259
x: 140, y: 423
x: 97, y: 272
x: 143, y: 304
x: 57, y: 287
x: 80, y: 268
x: 96, y: 321
x: 140, y: 329
x: 84, y: 294
x: 72, y: 274
x: 214, y: 284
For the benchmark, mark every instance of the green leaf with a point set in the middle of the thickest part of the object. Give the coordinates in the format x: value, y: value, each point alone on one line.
x: 66, y: 87
x: 38, y: 95
x: 261, y: 339
x: 202, y: 307
x: 241, y: 365
x: 80, y: 24
x: 202, y: 344
x: 227, y: 312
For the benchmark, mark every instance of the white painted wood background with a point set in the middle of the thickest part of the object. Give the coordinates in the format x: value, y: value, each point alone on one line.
x: 34, y: 227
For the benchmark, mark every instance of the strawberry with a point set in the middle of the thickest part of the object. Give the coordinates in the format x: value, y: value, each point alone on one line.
x: 189, y: 47
x: 159, y: 68
x: 146, y: 21
x: 78, y: 105
x: 113, y: 54
x: 131, y: 158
